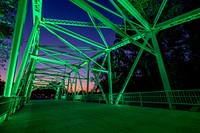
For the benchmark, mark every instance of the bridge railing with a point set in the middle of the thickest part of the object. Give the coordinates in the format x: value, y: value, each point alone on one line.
x: 186, y: 97
x: 9, y: 105
x: 181, y: 97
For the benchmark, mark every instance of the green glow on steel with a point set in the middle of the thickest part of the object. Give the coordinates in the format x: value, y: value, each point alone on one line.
x: 100, y: 87
x: 129, y: 76
x: 42, y: 81
x: 28, y: 85
x: 57, y: 93
x: 32, y: 75
x: 71, y: 46
x: 98, y: 70
x: 75, y: 35
x: 133, y: 25
x: 26, y: 77
x: 161, y: 64
x: 30, y: 90
x: 93, y: 57
x: 61, y: 60
x: 109, y: 78
x: 37, y: 9
x: 125, y: 41
x: 159, y: 12
x: 25, y: 56
x: 52, y: 61
x: 99, y: 31
x: 79, y: 23
x: 97, y: 77
x: 105, y: 8
x: 50, y: 69
x: 88, y: 76
x: 75, y: 87
x: 20, y: 19
x: 195, y: 14
x: 29, y: 76
x: 51, y: 74
x: 162, y: 69
x: 82, y: 4
x: 60, y: 53
x: 124, y: 16
x: 131, y: 9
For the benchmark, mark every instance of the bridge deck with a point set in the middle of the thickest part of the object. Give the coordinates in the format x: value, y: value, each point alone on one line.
x: 79, y: 117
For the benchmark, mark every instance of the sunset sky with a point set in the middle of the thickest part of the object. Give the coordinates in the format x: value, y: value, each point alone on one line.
x: 65, y: 10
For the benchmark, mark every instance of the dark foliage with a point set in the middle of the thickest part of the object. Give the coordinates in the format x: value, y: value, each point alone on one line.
x: 178, y: 45
x: 2, y: 84
x: 8, y: 9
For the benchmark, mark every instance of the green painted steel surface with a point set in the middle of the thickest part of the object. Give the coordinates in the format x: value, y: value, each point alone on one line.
x: 62, y: 64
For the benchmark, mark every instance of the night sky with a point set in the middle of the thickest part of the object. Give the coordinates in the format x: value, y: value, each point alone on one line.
x: 66, y: 10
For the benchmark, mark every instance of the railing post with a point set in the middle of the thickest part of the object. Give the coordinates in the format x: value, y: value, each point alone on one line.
x: 141, y: 103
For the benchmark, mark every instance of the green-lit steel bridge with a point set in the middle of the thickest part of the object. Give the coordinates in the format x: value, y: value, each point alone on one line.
x: 68, y: 64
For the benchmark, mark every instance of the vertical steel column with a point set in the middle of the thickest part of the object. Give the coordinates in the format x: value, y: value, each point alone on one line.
x: 109, y: 78
x: 67, y: 88
x: 58, y: 93
x: 88, y: 76
x: 80, y: 80
x: 76, y: 76
x: 162, y: 70
x: 30, y: 90
x: 20, y: 19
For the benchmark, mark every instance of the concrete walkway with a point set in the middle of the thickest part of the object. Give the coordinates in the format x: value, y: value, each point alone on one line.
x: 79, y: 117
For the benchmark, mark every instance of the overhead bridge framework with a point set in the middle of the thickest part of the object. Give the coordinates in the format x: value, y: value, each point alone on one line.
x: 62, y: 64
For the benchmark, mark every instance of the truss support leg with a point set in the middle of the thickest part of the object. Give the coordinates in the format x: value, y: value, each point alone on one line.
x: 75, y: 85
x: 129, y: 76
x: 26, y: 78
x: 67, y: 91
x: 57, y: 93
x: 25, y: 57
x: 88, y: 77
x: 162, y: 70
x: 28, y: 91
x: 20, y: 19
x: 100, y: 87
x: 109, y: 78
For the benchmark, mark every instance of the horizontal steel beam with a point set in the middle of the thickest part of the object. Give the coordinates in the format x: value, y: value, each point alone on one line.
x: 195, y: 14
x: 81, y: 24
x: 53, y: 61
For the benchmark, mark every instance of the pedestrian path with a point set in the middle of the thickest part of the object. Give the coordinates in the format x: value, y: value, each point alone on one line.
x: 51, y: 116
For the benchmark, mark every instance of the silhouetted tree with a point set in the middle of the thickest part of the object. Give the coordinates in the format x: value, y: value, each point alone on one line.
x: 8, y: 9
x: 178, y: 47
x: 2, y: 83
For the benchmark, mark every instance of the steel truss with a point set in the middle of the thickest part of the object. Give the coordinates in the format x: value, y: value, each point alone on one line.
x: 44, y: 64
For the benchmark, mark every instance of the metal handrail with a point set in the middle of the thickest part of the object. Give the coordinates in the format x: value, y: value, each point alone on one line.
x: 182, y: 97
